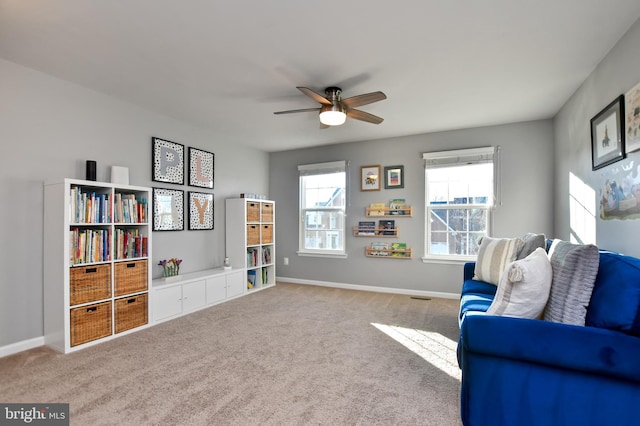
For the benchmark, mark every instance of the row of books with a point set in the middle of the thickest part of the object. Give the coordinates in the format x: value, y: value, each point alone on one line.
x: 252, y: 278
x: 130, y: 244
x: 92, y: 207
x: 89, y: 207
x: 89, y: 245
x: 397, y: 206
x: 266, y: 255
x: 252, y: 257
x: 129, y: 209
x: 386, y: 249
x: 385, y: 227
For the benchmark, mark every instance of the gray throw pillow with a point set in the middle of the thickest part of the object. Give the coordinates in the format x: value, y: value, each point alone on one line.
x: 531, y: 243
x: 575, y: 267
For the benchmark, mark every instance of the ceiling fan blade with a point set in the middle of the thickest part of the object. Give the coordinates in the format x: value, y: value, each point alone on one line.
x: 367, y: 98
x: 296, y: 110
x: 315, y: 96
x: 364, y: 116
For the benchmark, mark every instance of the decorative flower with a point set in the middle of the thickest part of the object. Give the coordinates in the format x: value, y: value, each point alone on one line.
x: 170, y: 267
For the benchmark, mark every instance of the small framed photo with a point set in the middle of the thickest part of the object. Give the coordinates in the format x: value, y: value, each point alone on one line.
x: 393, y: 177
x: 201, y: 168
x: 370, y: 178
x: 168, y: 161
x: 168, y: 209
x: 632, y: 122
x: 607, y: 134
x: 200, y: 211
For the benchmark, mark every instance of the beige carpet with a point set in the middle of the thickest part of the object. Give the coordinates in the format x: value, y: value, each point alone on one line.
x: 289, y: 355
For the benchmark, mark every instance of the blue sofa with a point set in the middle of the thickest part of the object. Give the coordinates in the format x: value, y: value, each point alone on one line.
x: 532, y: 372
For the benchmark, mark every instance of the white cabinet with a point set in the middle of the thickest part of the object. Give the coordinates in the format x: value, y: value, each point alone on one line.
x: 97, y: 245
x: 250, y: 241
x: 176, y: 296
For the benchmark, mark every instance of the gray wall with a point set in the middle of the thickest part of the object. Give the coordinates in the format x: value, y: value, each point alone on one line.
x: 527, y: 194
x: 48, y: 128
x: 618, y: 72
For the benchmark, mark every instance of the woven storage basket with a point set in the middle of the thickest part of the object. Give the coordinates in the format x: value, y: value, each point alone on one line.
x: 253, y: 235
x: 130, y: 277
x: 253, y: 211
x: 90, y: 322
x: 267, y: 234
x: 267, y: 212
x: 89, y: 283
x: 131, y: 312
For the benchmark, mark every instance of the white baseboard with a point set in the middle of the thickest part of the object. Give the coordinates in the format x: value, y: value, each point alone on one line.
x: 408, y: 292
x: 24, y: 345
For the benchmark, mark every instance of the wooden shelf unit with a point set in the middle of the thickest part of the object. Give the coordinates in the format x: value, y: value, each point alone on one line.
x: 378, y: 232
x: 387, y: 253
x: 406, y: 211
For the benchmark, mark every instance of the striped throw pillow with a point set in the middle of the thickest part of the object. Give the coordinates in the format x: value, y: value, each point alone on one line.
x: 494, y: 256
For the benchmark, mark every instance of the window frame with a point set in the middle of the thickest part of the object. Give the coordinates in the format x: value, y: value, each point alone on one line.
x: 321, y: 169
x: 459, y: 158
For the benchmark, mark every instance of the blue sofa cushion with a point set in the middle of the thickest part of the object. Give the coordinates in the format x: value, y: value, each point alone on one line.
x: 615, y: 301
x: 477, y: 296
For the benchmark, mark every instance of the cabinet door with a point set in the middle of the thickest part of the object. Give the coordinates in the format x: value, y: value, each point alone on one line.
x: 216, y: 289
x: 235, y: 283
x: 193, y: 296
x: 167, y: 302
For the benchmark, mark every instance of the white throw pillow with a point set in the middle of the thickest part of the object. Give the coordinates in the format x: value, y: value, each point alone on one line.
x: 494, y: 256
x: 524, y: 288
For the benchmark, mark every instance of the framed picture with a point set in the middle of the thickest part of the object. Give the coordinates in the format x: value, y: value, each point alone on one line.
x: 370, y: 178
x: 168, y: 161
x: 607, y: 135
x: 168, y: 209
x: 393, y: 177
x: 201, y: 168
x: 632, y: 121
x: 200, y: 211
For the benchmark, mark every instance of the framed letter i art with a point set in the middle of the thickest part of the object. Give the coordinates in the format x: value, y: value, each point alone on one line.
x: 200, y: 168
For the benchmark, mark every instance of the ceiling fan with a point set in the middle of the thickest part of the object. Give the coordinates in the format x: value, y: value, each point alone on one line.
x: 334, y: 110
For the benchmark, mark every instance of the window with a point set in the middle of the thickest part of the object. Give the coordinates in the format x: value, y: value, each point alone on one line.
x: 459, y: 197
x: 322, y: 208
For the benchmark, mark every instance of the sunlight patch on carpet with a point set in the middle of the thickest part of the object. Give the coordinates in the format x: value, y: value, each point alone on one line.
x: 434, y: 348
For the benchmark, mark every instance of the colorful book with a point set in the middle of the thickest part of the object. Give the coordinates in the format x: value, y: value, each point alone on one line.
x: 377, y: 209
x: 367, y: 228
x: 397, y: 206
x: 387, y: 227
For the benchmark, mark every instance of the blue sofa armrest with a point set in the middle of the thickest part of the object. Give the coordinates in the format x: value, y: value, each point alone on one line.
x: 586, y: 349
x: 469, y: 270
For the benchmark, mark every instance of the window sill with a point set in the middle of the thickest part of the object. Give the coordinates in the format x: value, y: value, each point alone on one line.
x: 325, y: 255
x: 448, y: 260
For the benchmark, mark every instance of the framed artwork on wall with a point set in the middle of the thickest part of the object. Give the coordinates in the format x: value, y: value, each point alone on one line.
x: 632, y: 121
x: 607, y: 134
x: 168, y: 209
x: 200, y: 211
x: 168, y: 161
x: 370, y: 178
x: 201, y: 168
x: 393, y: 177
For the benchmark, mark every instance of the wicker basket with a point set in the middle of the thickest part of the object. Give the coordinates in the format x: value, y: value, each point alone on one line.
x: 131, y: 312
x: 267, y: 212
x: 130, y: 277
x: 89, y: 283
x: 267, y: 234
x: 253, y: 211
x: 90, y: 322
x: 253, y: 235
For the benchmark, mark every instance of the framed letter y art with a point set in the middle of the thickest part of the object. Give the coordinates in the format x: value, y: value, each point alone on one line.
x: 200, y: 210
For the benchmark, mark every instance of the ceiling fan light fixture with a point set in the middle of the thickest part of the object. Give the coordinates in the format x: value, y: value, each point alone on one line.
x: 332, y: 115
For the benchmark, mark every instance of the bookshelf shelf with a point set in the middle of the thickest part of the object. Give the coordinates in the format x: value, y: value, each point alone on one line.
x: 397, y: 212
x: 250, y: 240
x: 388, y: 253
x: 97, y: 245
x: 376, y: 232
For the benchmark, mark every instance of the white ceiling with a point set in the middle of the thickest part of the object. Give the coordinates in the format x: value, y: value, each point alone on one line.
x: 228, y: 65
